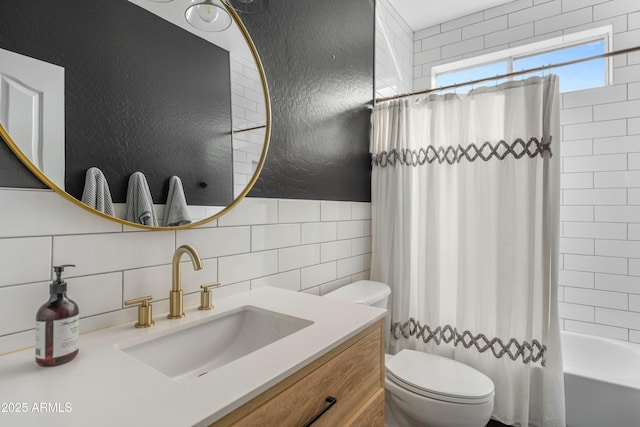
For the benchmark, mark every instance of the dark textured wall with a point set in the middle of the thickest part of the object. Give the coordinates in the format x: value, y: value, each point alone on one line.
x: 140, y: 95
x: 318, y: 59
x: 13, y: 173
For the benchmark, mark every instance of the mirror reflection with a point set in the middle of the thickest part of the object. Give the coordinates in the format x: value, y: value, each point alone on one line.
x: 125, y: 100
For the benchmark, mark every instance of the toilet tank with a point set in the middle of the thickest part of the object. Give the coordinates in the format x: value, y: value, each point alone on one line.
x: 367, y: 292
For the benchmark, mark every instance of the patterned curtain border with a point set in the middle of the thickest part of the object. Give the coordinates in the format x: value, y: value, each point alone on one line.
x: 452, y: 155
x: 528, y: 352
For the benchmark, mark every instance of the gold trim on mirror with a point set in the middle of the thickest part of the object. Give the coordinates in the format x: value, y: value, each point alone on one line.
x: 263, y: 80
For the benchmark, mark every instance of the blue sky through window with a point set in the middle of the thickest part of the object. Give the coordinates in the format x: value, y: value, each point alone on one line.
x: 572, y: 77
x: 469, y: 74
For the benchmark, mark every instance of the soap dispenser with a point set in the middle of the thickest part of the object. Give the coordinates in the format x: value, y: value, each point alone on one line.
x: 57, y: 325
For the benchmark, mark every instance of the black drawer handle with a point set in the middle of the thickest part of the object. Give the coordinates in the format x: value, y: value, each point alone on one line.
x: 331, y: 401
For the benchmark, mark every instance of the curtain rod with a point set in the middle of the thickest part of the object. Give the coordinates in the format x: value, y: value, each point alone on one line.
x: 512, y: 74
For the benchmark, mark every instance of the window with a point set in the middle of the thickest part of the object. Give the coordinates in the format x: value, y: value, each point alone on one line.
x: 578, y: 76
x: 474, y: 73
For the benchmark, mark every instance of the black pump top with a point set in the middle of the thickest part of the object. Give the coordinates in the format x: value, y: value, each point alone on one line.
x: 59, y: 286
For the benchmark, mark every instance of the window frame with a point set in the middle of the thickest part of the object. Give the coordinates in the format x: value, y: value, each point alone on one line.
x: 510, y: 55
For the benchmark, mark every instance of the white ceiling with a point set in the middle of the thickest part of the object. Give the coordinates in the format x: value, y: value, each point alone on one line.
x: 420, y: 14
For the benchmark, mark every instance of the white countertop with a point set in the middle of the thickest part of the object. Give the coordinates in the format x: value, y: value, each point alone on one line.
x: 105, y: 386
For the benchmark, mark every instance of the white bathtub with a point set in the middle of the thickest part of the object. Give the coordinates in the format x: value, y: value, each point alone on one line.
x: 602, y: 381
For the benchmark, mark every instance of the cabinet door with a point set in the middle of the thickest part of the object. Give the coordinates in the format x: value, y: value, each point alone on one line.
x: 352, y: 377
x: 371, y: 414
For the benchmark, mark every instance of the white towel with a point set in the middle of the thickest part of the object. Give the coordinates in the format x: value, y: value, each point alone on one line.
x: 139, y: 202
x: 96, y: 192
x: 176, y: 211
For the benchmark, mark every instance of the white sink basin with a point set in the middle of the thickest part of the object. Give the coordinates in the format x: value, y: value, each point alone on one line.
x: 189, y: 352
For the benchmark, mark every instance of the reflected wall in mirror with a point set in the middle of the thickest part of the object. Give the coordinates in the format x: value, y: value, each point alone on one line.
x: 130, y: 86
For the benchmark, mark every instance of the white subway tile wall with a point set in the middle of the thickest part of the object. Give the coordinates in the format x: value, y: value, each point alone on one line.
x: 394, y: 51
x: 247, y: 111
x: 302, y: 245
x: 600, y: 245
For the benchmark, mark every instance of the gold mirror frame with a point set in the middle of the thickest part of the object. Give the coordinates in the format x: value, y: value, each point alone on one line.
x: 267, y: 137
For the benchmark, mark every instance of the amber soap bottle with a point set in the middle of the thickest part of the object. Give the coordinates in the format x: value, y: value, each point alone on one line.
x: 57, y: 325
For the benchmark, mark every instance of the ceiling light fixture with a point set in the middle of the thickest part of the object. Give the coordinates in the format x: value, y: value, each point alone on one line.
x: 207, y: 16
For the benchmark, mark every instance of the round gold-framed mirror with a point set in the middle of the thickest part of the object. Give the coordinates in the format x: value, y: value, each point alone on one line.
x: 241, y: 135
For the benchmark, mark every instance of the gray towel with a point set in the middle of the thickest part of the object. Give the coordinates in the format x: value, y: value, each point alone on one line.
x: 176, y: 211
x: 96, y: 192
x: 139, y: 202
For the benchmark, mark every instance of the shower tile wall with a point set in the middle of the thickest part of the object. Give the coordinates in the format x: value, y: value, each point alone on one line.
x: 303, y: 245
x: 394, y: 51
x: 600, y: 213
x: 248, y: 111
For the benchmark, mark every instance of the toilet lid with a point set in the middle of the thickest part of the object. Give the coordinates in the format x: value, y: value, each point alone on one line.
x: 439, y: 377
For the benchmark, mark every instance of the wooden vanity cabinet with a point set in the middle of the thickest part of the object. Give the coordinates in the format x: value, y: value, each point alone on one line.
x: 352, y: 373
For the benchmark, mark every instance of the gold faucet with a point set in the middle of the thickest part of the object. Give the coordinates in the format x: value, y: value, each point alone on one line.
x: 175, y: 296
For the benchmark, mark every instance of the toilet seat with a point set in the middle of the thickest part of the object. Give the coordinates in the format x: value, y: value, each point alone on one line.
x: 439, y: 378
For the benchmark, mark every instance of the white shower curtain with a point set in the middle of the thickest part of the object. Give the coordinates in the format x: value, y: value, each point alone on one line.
x: 465, y: 199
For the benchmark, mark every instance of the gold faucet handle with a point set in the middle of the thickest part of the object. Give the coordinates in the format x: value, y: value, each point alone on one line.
x: 205, y: 296
x: 145, y: 316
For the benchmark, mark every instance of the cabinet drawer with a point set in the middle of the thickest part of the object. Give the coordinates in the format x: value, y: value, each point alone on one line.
x: 352, y: 376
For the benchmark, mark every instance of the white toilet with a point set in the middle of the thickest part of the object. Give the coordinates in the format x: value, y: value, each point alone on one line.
x: 423, y: 389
